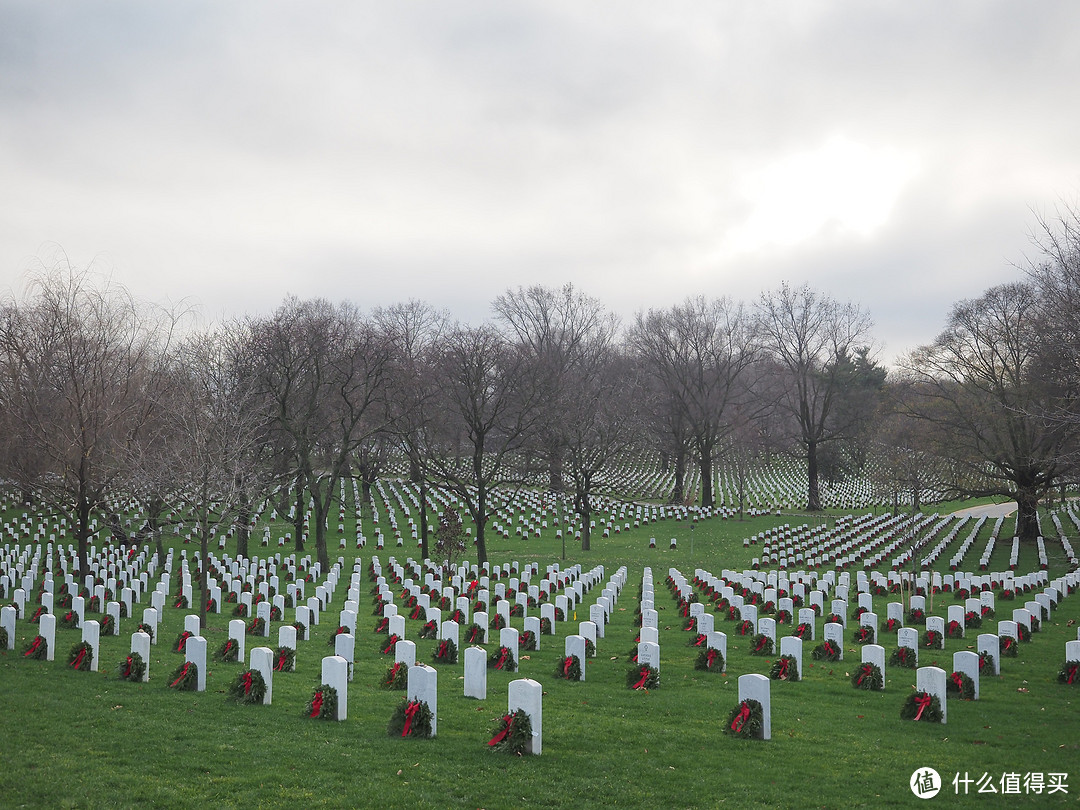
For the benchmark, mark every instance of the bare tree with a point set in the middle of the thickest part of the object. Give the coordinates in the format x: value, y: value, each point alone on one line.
x: 811, y: 339
x: 559, y: 332
x: 77, y: 359
x: 979, y: 390
x: 321, y: 367
x: 697, y: 352
x: 489, y: 410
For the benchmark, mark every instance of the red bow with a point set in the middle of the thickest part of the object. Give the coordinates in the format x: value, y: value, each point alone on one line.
x: 644, y: 677
x: 410, y: 713
x: 316, y: 704
x: 508, y: 721
x: 741, y: 718
x: 922, y: 702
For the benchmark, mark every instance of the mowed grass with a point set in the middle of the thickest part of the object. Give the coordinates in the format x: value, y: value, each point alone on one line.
x: 74, y: 739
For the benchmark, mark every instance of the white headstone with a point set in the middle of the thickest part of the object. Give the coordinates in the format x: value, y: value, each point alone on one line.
x: 476, y: 673
x: 405, y: 653
x: 262, y: 661
x: 756, y: 687
x: 575, y: 645
x: 345, y: 647
x: 335, y: 673
x: 527, y: 695
x: 91, y: 634
x: 195, y: 653
x: 932, y: 681
x: 834, y: 632
x: 967, y: 662
x: 140, y: 643
x: 988, y: 643
x: 875, y: 654
x: 423, y: 686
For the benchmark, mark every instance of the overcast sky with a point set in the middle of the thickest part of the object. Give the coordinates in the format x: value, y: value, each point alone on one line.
x: 892, y: 154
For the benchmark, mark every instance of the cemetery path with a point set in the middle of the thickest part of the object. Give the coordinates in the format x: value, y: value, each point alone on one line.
x: 990, y: 510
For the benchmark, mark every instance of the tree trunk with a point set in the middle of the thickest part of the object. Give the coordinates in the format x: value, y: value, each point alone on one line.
x: 678, y: 491
x: 813, y: 491
x: 423, y: 518
x: 706, y: 466
x: 298, y: 515
x: 1027, y: 524
x: 586, y: 522
x: 243, y: 529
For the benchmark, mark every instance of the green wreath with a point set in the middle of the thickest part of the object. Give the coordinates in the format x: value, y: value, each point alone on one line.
x: 503, y: 659
x: 81, y: 657
x: 868, y: 676
x: 527, y: 641
x: 429, y: 630
x: 973, y: 619
x: 568, y: 668
x: 1022, y: 631
x: 475, y: 634
x: 240, y: 611
x: 1007, y: 647
x: 342, y: 630
x: 446, y: 652
x: 642, y: 676
x: 513, y: 733
x: 390, y: 646
x: 301, y: 630
x: 3, y: 638
x: 961, y: 684
x: 106, y: 627
x: 829, y: 651
x: 131, y: 668
x: 497, y: 622
x: 590, y: 648
x: 257, y: 627
x: 863, y: 635
x: 761, y: 645
x: 181, y: 641
x: 746, y: 720
x: 411, y: 718
x: 921, y: 706
x: 229, y: 651
x: 785, y: 668
x: 249, y: 687
x: 284, y: 659
x: 904, y: 657
x: 69, y: 621
x: 546, y: 628
x: 1069, y: 673
x: 745, y: 628
x: 986, y: 660
x: 37, y: 649
x: 322, y: 704
x: 396, y: 677
x: 932, y: 639
x: 803, y: 631
x: 185, y: 678
x: 710, y: 659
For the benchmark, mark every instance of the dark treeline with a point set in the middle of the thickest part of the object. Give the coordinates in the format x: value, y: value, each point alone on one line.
x: 105, y: 396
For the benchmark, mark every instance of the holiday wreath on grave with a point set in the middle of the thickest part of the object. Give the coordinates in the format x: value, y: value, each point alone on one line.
x: 746, y: 720
x: 867, y: 676
x: 829, y: 651
x: 962, y: 685
x: 396, y: 677
x: 590, y: 648
x: 301, y: 630
x: 3, y: 638
x: 892, y: 625
x: 921, y: 706
x: 240, y: 611
x: 527, y: 641
x: 131, y: 668
x: 546, y: 628
x: 863, y: 635
x: 342, y: 630
x: 185, y: 678
x: 986, y: 662
x: 69, y: 620
x: 382, y: 626
x: 858, y: 612
x: 698, y: 640
x: 322, y: 704
x: 411, y: 718
x: 785, y: 668
x: 181, y: 602
x: 249, y: 687
x: 954, y: 629
x: 932, y: 640
x: 275, y: 614
x: 474, y: 634
x: 228, y: 651
x: 761, y: 645
x: 390, y: 645
x: 283, y: 659
x: 94, y: 605
x: 36, y: 617
x: 418, y: 613
x: 690, y: 624
x: 973, y: 619
x: 1022, y: 631
x: 257, y: 627
x: 1069, y: 673
x: 81, y: 657
x: 517, y: 610
x: 916, y: 615
x: 745, y: 628
x: 783, y: 617
x: 834, y: 618
x: 512, y: 734
x: 642, y: 676
x: 446, y: 652
x: 987, y: 612
x: 803, y: 631
x: 710, y: 659
x: 181, y: 641
x: 1008, y: 647
x: 146, y: 628
x: 458, y: 616
x: 904, y: 657
x: 106, y: 626
x: 569, y: 668
x: 429, y: 630
x: 502, y: 659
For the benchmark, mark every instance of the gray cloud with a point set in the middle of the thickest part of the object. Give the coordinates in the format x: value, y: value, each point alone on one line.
x: 888, y: 153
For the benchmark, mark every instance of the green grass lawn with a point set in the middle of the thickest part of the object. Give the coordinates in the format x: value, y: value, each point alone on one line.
x: 74, y: 739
